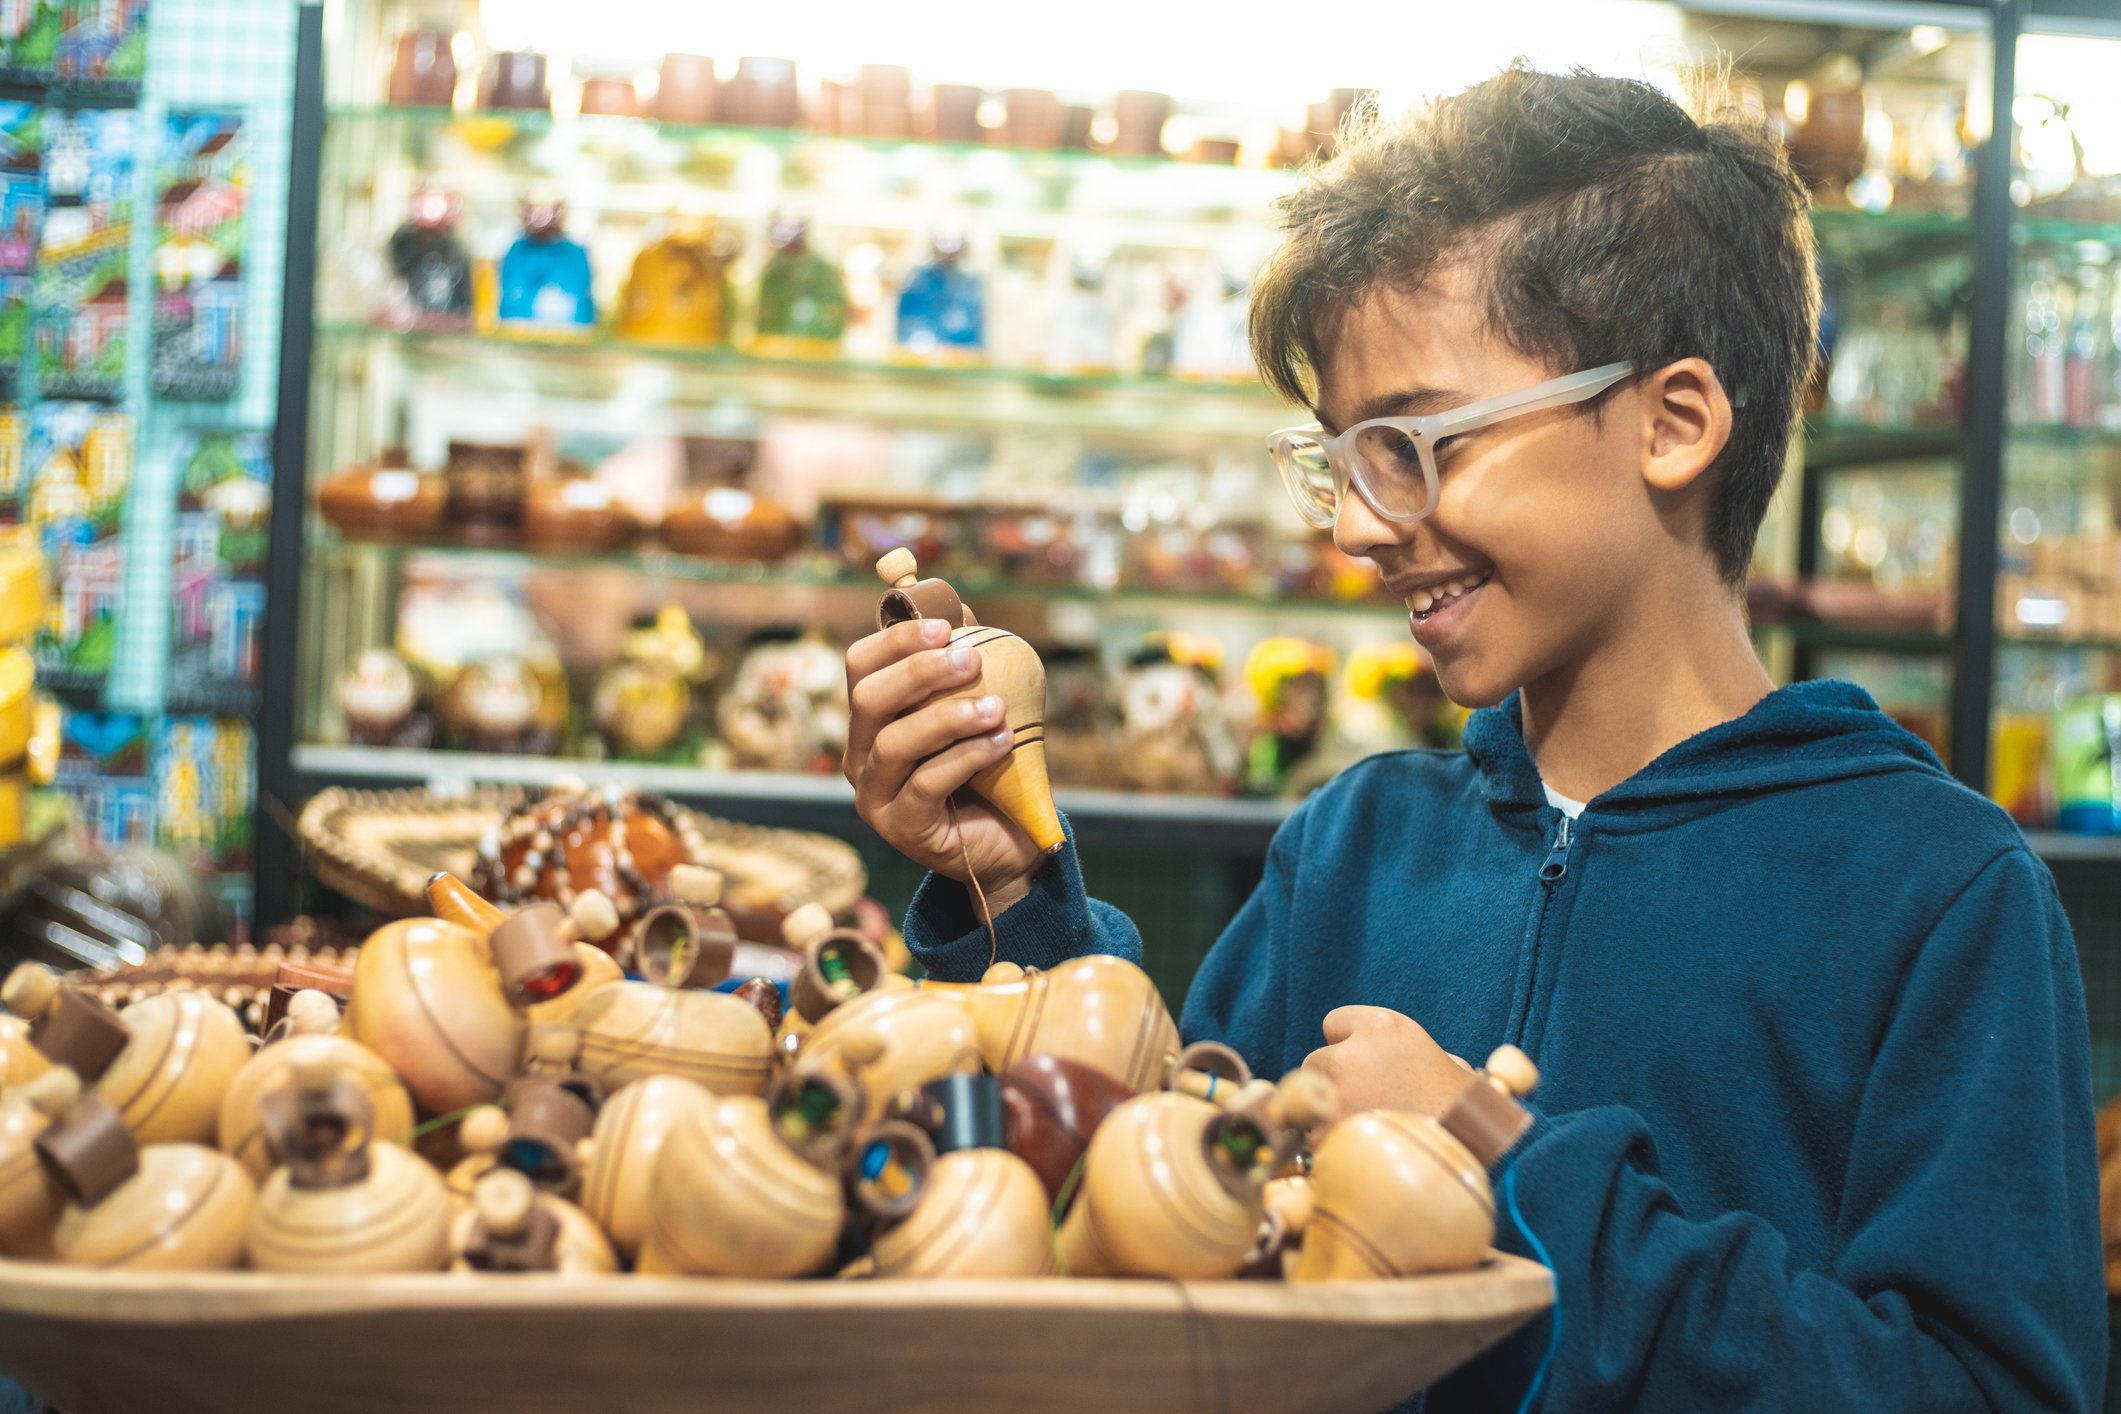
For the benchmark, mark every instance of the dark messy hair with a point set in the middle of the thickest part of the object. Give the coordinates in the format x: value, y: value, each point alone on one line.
x: 1606, y: 224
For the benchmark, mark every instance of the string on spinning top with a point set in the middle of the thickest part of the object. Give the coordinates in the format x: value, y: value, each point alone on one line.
x: 986, y: 914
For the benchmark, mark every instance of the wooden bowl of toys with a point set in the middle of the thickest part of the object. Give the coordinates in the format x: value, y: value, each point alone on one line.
x: 234, y: 1343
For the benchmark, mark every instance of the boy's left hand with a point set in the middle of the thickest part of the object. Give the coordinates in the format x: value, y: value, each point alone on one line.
x: 1380, y: 1060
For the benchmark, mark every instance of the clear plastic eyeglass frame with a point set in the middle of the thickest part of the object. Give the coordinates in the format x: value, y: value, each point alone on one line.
x: 1374, y: 455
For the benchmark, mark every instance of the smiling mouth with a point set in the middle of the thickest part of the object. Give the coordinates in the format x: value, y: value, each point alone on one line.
x: 1424, y: 602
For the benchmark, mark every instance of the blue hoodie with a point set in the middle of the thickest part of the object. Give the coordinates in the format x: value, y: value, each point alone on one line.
x: 1815, y: 1118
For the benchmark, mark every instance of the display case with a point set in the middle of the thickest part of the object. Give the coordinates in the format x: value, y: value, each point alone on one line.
x: 624, y: 373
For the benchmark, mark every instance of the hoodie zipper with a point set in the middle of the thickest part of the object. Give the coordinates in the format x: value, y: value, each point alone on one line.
x: 1552, y: 870
x: 1556, y: 867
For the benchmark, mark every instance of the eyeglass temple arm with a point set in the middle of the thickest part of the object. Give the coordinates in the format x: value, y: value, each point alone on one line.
x: 1577, y: 388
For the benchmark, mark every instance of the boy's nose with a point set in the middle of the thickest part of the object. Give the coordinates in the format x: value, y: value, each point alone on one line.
x: 1362, y: 532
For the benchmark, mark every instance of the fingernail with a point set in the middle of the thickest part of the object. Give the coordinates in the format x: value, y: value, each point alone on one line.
x: 988, y: 707
x: 960, y: 659
x: 934, y: 630
x: 1001, y: 736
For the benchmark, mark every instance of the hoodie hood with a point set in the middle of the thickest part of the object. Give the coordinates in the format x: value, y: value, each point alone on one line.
x: 1798, y: 735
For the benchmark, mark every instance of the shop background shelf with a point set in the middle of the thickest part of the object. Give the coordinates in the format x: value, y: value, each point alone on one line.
x: 1832, y: 445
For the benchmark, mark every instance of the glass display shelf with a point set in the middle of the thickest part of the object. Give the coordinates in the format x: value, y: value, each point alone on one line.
x: 2061, y: 845
x: 1855, y: 638
x: 787, y: 798
x: 1832, y: 445
x: 900, y: 393
x: 2060, y: 643
x: 815, y: 572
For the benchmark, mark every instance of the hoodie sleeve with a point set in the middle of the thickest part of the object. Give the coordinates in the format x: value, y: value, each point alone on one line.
x: 1968, y: 1273
x: 1240, y: 996
x: 1057, y: 920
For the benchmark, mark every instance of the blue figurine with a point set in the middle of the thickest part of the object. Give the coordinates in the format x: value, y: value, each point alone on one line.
x: 941, y: 305
x: 545, y: 276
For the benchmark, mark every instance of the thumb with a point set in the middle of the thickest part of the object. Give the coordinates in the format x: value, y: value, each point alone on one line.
x: 1343, y: 1022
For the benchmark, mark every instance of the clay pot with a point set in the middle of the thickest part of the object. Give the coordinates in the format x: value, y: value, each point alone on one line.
x: 516, y: 80
x: 1171, y: 1188
x: 241, y: 1129
x: 576, y: 513
x: 610, y: 98
x: 1141, y: 117
x: 423, y: 71
x: 426, y: 998
x: 884, y: 99
x: 730, y: 1198
x: 631, y: 1132
x: 386, y: 501
x: 1394, y: 1195
x: 1051, y: 1109
x: 1036, y: 118
x: 393, y: 1219
x: 954, y: 113
x: 981, y: 1213
x: 763, y: 94
x: 168, y: 1083
x: 725, y: 522
x: 685, y: 89
x: 184, y: 1210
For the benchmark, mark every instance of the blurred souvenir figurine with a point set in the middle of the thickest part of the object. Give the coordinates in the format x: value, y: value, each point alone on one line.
x: 1083, y: 337
x: 431, y: 270
x: 941, y: 306
x: 1386, y: 700
x: 1287, y: 679
x: 802, y: 296
x: 495, y: 705
x: 545, y: 275
x: 678, y: 292
x: 380, y: 700
x: 1211, y: 339
x: 786, y: 710
x: 1174, y: 732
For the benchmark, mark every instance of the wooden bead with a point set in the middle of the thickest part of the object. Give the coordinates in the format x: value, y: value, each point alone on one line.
x: 579, y: 1249
x: 1100, y: 1010
x: 167, y: 1085
x: 395, y: 1219
x: 731, y: 1199
x: 1394, y: 1195
x: 593, y: 915
x: 1513, y: 1070
x: 30, y: 1199
x: 240, y: 1130
x: 981, y: 1213
x: 426, y: 998
x: 503, y: 1201
x: 632, y: 1030
x: 631, y: 1131
x: 29, y: 989
x: 806, y: 924
x: 694, y: 884
x: 185, y: 1210
x: 1160, y: 1197
x: 312, y: 1013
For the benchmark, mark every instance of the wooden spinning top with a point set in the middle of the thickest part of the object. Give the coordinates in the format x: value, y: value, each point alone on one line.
x: 343, y: 1203
x: 1018, y: 785
x: 689, y: 943
x: 512, y: 1227
x: 1100, y: 1010
x: 976, y: 1213
x: 1400, y: 1194
x: 839, y: 964
x: 168, y: 1083
x: 733, y: 1198
x: 30, y: 1196
x: 67, y: 1026
x: 428, y: 1000
x: 895, y: 1039
x: 551, y: 1111
x: 313, y: 1018
x: 631, y: 1130
x: 1051, y: 1108
x: 167, y: 1207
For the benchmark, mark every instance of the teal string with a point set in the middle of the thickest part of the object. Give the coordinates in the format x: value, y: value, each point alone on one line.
x: 1539, y: 1376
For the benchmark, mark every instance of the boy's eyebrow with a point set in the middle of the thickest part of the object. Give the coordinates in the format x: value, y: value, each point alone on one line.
x: 1407, y: 402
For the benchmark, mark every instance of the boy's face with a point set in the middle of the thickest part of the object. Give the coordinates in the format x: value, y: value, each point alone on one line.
x: 1548, y: 513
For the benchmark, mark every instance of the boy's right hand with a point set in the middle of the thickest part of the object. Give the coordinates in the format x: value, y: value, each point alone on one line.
x: 908, y: 756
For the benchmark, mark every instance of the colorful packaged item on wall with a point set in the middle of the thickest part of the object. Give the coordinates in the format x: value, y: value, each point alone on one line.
x: 2086, y: 759
x: 942, y: 306
x: 103, y: 760
x: 29, y: 38
x: 205, y: 789
x: 678, y: 291
x: 81, y: 277
x: 79, y: 471
x: 21, y: 219
x: 202, y: 175
x: 802, y: 295
x: 102, y: 48
x: 224, y: 499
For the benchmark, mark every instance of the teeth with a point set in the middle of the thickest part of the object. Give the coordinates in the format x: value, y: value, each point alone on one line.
x: 1423, y: 600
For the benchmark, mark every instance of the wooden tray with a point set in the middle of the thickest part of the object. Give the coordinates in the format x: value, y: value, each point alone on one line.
x: 232, y: 1343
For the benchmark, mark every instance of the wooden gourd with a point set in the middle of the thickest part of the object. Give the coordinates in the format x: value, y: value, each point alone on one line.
x: 1396, y: 1195
x: 343, y: 1203
x: 426, y: 998
x: 241, y: 1130
x: 1160, y: 1195
x: 1102, y: 1011
x: 981, y: 1213
x: 1017, y: 785
x: 732, y: 1198
x: 168, y: 1083
x: 631, y: 1132
x: 184, y: 1210
x: 30, y: 1197
x: 580, y: 1247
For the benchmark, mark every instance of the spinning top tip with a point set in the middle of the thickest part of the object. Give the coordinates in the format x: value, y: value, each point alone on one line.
x: 29, y: 989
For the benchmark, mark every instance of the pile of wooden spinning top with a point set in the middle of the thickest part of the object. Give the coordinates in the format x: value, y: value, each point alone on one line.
x: 1035, y: 1123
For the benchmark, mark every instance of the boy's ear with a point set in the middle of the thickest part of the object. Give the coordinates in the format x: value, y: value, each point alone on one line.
x: 1686, y: 422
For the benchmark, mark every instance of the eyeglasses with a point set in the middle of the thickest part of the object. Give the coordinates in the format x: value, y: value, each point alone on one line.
x: 1391, y: 461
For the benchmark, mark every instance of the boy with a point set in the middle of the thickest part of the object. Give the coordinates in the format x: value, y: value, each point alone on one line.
x: 1815, y: 1127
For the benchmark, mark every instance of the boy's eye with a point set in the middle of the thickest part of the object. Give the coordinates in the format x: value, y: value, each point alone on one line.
x: 1391, y: 450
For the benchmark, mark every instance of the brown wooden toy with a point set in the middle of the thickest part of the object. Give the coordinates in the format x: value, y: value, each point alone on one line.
x: 895, y: 1039
x: 165, y: 1207
x: 168, y: 1083
x: 67, y: 1025
x: 342, y: 1202
x: 839, y: 964
x: 30, y: 1196
x: 313, y: 1018
x: 620, y: 843
x: 1010, y: 668
x: 1171, y: 1187
x: 455, y: 901
x: 552, y: 1108
x: 732, y: 1197
x: 1401, y: 1194
x: 689, y: 943
x: 549, y: 959
x: 426, y: 998
x: 1285, y: 1211
x: 979, y: 1213
x: 1103, y: 1011
x: 631, y: 1131
x: 1051, y: 1108
x: 512, y: 1227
